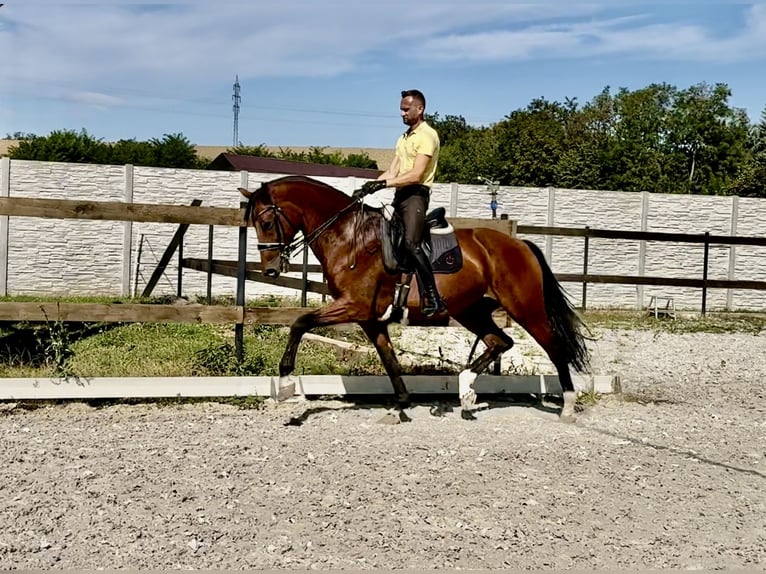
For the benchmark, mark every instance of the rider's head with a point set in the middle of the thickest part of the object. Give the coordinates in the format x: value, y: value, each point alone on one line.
x: 413, y: 106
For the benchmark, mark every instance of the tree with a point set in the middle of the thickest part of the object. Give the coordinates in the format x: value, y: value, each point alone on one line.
x: 588, y: 134
x: 473, y: 155
x: 450, y: 129
x: 132, y: 152
x: 315, y: 154
x: 258, y: 151
x: 360, y: 159
x: 20, y: 136
x: 64, y: 146
x: 751, y: 178
x: 711, y: 137
x: 530, y: 144
x: 174, y: 150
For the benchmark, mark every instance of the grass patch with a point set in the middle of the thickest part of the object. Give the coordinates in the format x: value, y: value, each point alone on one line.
x: 177, y: 349
x: 159, y: 349
x: 683, y: 323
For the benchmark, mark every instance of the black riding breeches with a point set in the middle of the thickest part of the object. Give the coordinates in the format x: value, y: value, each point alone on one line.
x: 412, y: 210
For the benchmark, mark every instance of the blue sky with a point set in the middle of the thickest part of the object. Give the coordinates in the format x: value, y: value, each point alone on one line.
x: 329, y: 72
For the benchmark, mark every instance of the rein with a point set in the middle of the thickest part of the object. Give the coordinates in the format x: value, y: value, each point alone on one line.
x: 286, y: 250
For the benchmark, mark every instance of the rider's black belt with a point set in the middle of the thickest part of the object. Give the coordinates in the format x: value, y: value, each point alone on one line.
x: 408, y: 191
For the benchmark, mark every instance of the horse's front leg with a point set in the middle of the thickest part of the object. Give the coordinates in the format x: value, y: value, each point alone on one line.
x: 378, y: 334
x: 334, y: 314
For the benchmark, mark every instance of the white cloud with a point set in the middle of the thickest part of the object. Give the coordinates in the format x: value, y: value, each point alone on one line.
x: 623, y: 36
x: 111, y: 42
x: 111, y: 47
x: 93, y: 99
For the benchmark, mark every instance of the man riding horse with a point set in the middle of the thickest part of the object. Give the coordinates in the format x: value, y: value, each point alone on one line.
x: 412, y: 173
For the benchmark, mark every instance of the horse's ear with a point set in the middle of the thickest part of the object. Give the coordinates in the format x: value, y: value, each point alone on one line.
x: 246, y: 192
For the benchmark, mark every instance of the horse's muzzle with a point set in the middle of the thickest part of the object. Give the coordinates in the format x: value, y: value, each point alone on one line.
x: 272, y: 273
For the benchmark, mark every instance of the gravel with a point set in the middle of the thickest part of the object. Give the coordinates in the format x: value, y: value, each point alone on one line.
x: 669, y: 475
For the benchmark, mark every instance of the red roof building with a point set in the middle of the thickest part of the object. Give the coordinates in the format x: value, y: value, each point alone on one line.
x: 256, y: 164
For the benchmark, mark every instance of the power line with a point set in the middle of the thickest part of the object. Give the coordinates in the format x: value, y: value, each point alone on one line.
x: 122, y: 92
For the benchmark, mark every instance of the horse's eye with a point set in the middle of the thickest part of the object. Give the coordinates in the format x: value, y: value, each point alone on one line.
x: 267, y: 225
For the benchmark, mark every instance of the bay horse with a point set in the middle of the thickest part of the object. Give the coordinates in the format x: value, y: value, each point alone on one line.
x: 498, y: 271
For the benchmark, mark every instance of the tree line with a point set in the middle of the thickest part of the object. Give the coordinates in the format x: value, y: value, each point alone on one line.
x: 172, y: 150
x: 659, y: 138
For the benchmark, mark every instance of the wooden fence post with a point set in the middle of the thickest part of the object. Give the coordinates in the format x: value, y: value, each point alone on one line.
x: 175, y: 243
x: 5, y: 191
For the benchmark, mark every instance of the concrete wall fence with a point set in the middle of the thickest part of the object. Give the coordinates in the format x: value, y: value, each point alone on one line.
x: 85, y: 257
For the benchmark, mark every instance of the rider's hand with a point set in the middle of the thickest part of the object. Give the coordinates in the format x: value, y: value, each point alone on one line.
x: 369, y: 187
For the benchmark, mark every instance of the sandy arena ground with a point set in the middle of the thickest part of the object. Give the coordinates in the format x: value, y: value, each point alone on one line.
x: 672, y: 475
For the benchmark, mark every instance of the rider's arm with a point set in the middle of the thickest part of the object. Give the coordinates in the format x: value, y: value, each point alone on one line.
x: 390, y: 173
x: 412, y: 176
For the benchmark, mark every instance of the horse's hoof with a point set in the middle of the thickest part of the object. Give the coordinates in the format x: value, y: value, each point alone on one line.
x: 568, y: 410
x: 466, y: 380
x: 389, y: 419
x: 439, y: 410
x: 285, y: 388
x: 568, y: 418
x: 467, y: 415
x: 468, y: 400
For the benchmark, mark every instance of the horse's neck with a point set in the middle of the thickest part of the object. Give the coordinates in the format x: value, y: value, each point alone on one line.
x: 348, y: 234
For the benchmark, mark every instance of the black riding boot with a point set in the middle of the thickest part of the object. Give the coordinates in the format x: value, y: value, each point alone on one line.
x: 431, y: 302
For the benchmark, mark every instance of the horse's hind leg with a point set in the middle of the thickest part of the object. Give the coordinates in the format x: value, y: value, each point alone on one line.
x: 380, y: 338
x: 478, y: 319
x: 533, y: 319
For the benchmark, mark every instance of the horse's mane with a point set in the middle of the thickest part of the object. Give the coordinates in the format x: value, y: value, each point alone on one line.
x: 263, y: 193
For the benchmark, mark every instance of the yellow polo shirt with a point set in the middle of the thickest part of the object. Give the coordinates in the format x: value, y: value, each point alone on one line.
x: 425, y: 140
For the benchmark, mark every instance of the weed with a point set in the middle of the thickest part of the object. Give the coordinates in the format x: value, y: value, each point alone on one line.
x: 588, y: 398
x: 56, y: 347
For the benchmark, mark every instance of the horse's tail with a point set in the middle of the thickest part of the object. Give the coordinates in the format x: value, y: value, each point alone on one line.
x: 564, y: 321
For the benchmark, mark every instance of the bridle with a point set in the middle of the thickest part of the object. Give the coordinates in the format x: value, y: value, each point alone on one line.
x: 287, y: 249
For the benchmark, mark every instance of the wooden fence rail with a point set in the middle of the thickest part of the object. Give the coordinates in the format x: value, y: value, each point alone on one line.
x: 242, y: 270
x: 706, y: 239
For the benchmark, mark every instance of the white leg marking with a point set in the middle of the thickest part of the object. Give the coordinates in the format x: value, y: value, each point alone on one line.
x: 286, y: 387
x: 568, y: 410
x: 466, y: 380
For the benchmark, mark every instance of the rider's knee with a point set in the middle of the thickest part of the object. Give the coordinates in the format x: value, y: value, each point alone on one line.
x: 412, y: 246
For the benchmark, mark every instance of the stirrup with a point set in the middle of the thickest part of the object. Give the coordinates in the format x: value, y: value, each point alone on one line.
x: 433, y: 306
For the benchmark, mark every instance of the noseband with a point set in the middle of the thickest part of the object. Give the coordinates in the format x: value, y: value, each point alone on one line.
x: 285, y: 249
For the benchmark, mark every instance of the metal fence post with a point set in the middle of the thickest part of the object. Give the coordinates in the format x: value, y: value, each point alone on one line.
x: 585, y: 268
x: 210, y: 265
x: 704, y: 272
x: 239, y: 328
x: 305, y: 276
x: 179, y: 290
